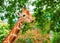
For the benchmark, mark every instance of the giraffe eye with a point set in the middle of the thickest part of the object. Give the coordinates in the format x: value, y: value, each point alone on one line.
x: 24, y: 15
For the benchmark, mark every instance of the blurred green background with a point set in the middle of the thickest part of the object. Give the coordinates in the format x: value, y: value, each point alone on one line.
x: 46, y: 13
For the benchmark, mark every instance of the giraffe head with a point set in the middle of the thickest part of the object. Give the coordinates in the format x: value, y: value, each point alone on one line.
x: 26, y: 16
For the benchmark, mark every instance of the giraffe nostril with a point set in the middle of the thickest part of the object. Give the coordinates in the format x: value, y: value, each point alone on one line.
x: 32, y: 21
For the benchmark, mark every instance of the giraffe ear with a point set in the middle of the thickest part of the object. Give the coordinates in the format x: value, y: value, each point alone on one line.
x: 23, y: 9
x: 27, y: 12
x: 18, y: 14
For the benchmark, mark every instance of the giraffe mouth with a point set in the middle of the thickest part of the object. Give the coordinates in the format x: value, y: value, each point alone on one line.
x: 32, y: 21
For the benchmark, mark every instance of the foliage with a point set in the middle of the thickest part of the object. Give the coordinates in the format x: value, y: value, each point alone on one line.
x: 9, y: 8
x: 4, y: 30
x: 25, y: 27
x: 56, y: 38
x: 31, y: 36
x: 46, y: 13
x: 27, y: 40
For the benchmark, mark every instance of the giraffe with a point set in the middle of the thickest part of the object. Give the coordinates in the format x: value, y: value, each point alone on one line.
x: 24, y: 17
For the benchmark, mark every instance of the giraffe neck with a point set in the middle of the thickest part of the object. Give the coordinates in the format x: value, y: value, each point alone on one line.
x: 13, y: 34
